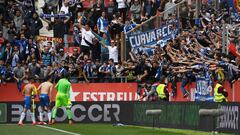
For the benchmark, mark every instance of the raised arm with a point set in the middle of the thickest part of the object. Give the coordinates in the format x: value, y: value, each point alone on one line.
x: 19, y: 2
x: 66, y: 20
x: 102, y: 44
x: 47, y: 21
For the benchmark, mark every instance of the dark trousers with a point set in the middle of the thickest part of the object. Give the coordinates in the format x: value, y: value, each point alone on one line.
x: 185, y: 81
x: 123, y: 13
x: 19, y: 85
x: 85, y: 50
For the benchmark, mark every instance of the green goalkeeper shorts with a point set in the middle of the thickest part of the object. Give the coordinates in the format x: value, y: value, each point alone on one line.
x: 62, y: 100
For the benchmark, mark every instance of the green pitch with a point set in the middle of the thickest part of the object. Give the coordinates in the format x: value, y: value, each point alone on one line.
x: 91, y: 129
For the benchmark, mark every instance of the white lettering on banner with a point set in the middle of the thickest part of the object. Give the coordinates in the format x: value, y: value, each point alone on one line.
x: 101, y: 94
x: 130, y: 97
x: 94, y: 113
x: 109, y: 96
x: 131, y: 39
x: 158, y: 33
x: 93, y: 96
x: 86, y: 96
x: 62, y: 117
x: 90, y: 114
x: 120, y: 96
x: 153, y: 36
x: 142, y: 39
x: 230, y: 119
x: 81, y: 109
x: 106, y: 114
x: 116, y: 113
x: 16, y: 112
x: 163, y: 33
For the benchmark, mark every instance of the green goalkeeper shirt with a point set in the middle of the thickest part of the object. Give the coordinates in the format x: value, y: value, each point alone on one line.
x: 63, y: 87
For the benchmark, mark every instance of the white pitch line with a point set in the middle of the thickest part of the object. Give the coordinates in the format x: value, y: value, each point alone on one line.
x: 59, y: 130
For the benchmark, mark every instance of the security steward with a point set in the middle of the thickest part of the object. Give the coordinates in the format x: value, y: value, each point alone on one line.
x: 162, y: 91
x: 220, y: 94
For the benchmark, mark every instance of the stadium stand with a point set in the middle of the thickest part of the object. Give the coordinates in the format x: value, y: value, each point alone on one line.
x: 194, y: 50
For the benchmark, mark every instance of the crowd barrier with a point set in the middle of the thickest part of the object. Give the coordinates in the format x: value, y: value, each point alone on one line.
x: 182, y: 115
x: 114, y: 92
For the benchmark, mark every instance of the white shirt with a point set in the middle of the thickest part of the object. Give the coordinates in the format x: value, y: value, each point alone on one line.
x: 170, y: 11
x: 88, y: 35
x: 65, y: 9
x: 121, y: 4
x: 113, y: 53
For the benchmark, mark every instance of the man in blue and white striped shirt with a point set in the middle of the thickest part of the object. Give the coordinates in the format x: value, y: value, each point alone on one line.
x: 102, y: 24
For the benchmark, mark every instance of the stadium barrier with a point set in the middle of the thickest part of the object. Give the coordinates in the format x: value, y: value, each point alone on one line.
x: 117, y: 92
x: 182, y: 115
x: 185, y: 115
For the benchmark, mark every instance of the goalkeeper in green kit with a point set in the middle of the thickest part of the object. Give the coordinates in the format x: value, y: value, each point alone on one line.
x: 63, y: 97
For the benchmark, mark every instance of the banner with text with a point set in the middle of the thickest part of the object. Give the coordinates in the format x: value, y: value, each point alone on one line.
x: 204, y: 89
x: 82, y: 92
x: 87, y: 112
x: 156, y: 36
x: 115, y: 92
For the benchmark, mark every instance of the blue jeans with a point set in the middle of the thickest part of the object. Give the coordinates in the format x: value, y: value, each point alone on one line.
x: 19, y: 85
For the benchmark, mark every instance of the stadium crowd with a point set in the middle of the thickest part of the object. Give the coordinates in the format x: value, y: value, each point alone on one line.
x: 195, y: 51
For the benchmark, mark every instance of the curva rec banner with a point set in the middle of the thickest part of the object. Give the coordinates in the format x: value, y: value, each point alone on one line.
x: 156, y: 36
x: 82, y: 92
